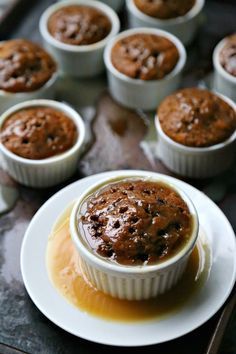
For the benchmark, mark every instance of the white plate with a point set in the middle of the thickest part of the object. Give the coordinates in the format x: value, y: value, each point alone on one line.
x: 203, y: 305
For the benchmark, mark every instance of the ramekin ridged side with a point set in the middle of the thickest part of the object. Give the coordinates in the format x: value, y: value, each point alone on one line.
x: 50, y: 171
x: 143, y: 94
x: 78, y: 60
x: 184, y: 27
x: 139, y: 288
x: 131, y: 282
x: 223, y: 82
x: 196, y: 162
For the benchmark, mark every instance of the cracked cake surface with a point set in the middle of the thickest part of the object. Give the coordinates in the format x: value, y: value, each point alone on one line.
x: 38, y: 133
x: 144, y: 56
x: 196, y: 117
x: 79, y: 25
x: 24, y: 66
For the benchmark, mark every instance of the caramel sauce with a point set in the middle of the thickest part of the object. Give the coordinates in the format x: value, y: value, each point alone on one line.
x: 64, y: 272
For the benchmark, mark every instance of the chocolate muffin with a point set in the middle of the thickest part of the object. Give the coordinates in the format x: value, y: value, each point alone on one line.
x: 38, y: 132
x: 164, y: 9
x: 135, y: 221
x: 227, y: 55
x: 197, y: 118
x: 79, y: 25
x: 144, y: 56
x: 24, y: 66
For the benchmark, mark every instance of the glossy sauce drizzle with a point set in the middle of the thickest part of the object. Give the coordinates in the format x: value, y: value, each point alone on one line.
x: 64, y: 273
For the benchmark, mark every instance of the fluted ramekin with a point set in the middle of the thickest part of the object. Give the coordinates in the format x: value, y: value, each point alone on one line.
x: 196, y: 162
x: 131, y: 282
x: 50, y: 171
x: 137, y: 93
x: 183, y: 27
x: 9, y: 99
x: 223, y: 82
x: 78, y: 60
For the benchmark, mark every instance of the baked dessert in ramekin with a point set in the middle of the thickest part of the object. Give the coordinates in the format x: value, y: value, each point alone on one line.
x: 196, y: 132
x: 144, y: 65
x: 76, y: 32
x: 181, y: 18
x: 27, y: 72
x: 134, y: 235
x: 224, y: 60
x: 41, y: 141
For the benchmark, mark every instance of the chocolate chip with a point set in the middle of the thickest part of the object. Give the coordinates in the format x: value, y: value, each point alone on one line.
x: 116, y: 225
x: 147, y: 191
x: 134, y: 219
x: 143, y: 257
x: 94, y: 217
x: 132, y: 230
x: 160, y: 201
x: 161, y: 232
x: 123, y: 209
x: 25, y: 141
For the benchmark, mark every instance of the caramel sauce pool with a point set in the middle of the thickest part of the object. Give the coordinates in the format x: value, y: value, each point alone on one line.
x: 64, y: 272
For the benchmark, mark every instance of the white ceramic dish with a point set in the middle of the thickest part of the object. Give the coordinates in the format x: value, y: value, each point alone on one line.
x: 220, y: 238
x: 223, y: 82
x: 78, y: 60
x: 135, y: 282
x: 196, y: 162
x: 144, y: 94
x: 184, y: 27
x: 46, y: 172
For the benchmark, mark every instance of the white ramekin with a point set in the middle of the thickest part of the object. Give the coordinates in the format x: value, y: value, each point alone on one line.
x: 223, y: 82
x: 78, y: 60
x: 9, y: 99
x: 131, y: 282
x: 196, y: 162
x: 183, y: 27
x: 115, y: 4
x: 50, y: 171
x: 137, y: 93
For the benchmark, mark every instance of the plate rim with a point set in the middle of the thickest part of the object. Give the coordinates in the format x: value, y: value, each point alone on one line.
x: 57, y: 195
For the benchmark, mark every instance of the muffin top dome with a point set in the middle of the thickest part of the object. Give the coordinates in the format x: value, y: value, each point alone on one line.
x: 196, y: 118
x: 24, y: 66
x: 79, y: 25
x: 145, y: 56
x: 38, y: 133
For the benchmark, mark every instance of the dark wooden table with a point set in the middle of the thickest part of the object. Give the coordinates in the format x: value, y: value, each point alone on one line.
x: 116, y: 135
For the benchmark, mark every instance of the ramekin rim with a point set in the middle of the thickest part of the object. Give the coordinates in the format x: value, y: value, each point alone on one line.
x: 69, y: 111
x: 194, y: 11
x: 107, y: 10
x: 176, y: 70
x: 119, y: 268
x: 217, y: 64
x: 198, y: 150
